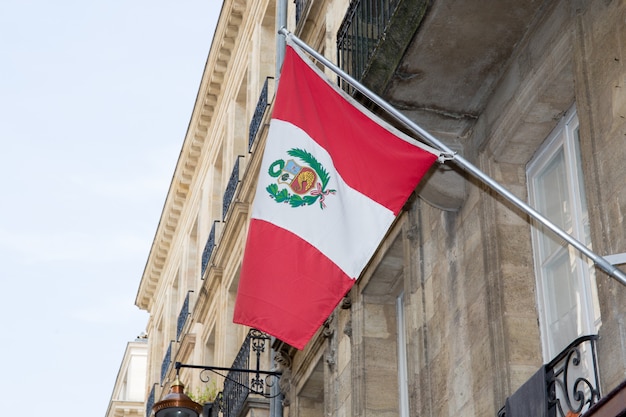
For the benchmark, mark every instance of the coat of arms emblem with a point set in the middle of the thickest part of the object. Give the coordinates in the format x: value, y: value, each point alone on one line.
x: 304, y: 180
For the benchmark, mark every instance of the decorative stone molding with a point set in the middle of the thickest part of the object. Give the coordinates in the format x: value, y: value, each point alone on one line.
x: 347, y: 330
x: 412, y: 234
x: 327, y: 330
x: 346, y: 302
x: 331, y: 358
x: 226, y: 35
x: 284, y: 363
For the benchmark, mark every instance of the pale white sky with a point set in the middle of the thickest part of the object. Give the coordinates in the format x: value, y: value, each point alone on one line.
x: 95, y: 100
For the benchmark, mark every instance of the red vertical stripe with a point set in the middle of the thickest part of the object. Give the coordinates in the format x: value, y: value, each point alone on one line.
x: 287, y: 287
x: 367, y: 156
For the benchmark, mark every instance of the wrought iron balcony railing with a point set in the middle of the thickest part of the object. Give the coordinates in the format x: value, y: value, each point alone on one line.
x: 300, y: 8
x: 167, y: 360
x: 238, y: 385
x: 566, y: 386
x: 208, y: 250
x: 150, y: 402
x: 182, y: 316
x: 231, y: 187
x: 574, y: 383
x: 364, y: 25
x: 259, y: 112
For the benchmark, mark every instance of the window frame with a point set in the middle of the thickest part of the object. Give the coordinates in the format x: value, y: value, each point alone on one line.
x: 564, y: 137
x: 403, y: 374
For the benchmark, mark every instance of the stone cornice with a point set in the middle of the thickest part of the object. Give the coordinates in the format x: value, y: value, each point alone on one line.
x: 208, y: 97
x: 185, y: 350
x: 237, y: 219
x: 205, y: 300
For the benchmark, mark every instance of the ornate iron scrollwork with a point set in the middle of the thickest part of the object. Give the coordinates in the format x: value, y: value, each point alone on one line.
x: 574, y: 384
x: 239, y: 380
x: 259, y: 112
x: 231, y: 187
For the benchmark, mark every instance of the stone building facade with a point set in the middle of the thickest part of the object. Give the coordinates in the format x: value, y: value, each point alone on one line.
x: 127, y: 399
x: 468, y: 307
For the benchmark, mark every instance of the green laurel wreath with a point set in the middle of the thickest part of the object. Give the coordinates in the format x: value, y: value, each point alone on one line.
x: 294, y: 200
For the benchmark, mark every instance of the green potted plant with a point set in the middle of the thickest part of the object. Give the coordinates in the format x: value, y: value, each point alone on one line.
x: 205, y: 396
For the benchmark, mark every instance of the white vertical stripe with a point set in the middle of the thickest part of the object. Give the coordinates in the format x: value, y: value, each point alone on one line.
x: 347, y: 231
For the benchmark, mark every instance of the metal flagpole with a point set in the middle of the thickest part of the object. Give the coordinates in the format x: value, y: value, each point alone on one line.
x: 462, y: 162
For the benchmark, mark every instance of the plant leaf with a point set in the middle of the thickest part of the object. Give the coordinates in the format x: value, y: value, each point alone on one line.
x: 306, y: 156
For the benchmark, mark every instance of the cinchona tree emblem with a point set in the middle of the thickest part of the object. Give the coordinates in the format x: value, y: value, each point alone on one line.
x: 306, y: 178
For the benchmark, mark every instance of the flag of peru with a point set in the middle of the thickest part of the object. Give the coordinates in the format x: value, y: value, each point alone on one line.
x: 332, y: 180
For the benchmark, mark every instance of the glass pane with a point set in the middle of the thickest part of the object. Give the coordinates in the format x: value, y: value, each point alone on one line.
x: 552, y: 196
x: 562, y: 299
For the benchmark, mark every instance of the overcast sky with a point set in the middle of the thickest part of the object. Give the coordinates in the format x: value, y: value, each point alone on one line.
x: 95, y: 100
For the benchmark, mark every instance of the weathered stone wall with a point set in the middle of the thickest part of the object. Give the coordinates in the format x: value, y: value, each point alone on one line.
x: 467, y: 276
x: 600, y: 52
x: 477, y: 336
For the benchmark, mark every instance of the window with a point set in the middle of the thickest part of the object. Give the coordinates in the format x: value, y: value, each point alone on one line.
x: 403, y: 375
x: 384, y: 345
x: 566, y: 288
x: 311, y: 401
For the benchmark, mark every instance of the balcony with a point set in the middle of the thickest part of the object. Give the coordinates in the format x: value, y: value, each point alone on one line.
x: 238, y: 385
x: 567, y: 386
x: 150, y: 402
x: 182, y: 317
x: 231, y: 187
x: 373, y: 37
x: 167, y: 360
x: 208, y: 250
x: 301, y: 6
x: 259, y: 112
x: 362, y: 28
